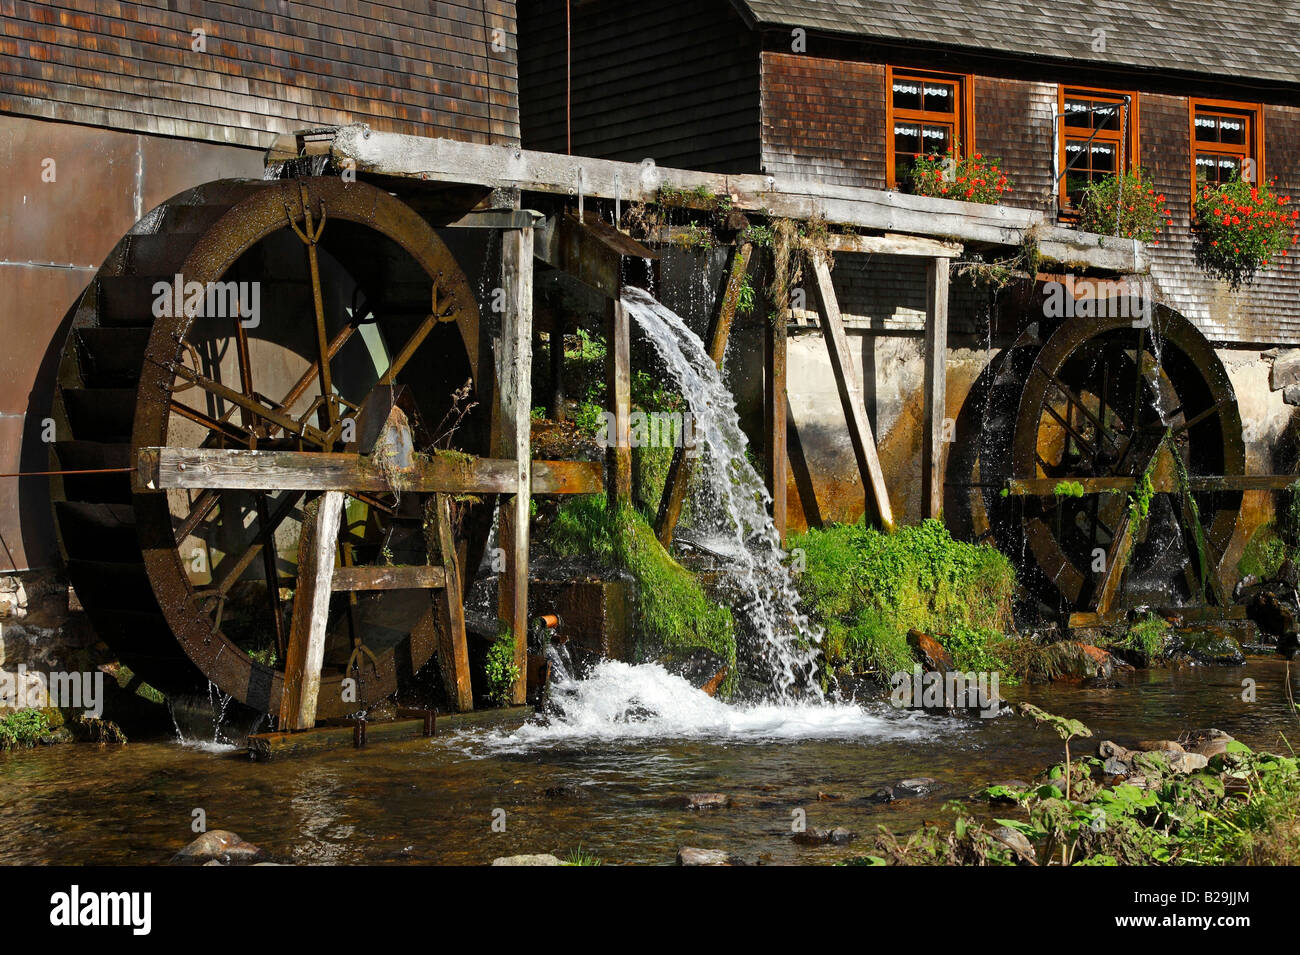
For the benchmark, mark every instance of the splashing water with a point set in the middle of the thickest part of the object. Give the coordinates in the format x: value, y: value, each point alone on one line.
x: 729, y: 509
x: 623, y: 702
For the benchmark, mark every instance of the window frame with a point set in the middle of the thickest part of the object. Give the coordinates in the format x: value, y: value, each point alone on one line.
x: 962, y: 118
x: 1131, y: 142
x: 1255, y: 147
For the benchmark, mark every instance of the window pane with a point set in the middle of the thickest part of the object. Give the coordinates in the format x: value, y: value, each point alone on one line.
x: 1232, y: 129
x: 940, y: 98
x: 1076, y: 114
x: 937, y: 139
x: 1103, y: 157
x: 907, y: 94
x: 1207, y: 129
x: 1106, y: 116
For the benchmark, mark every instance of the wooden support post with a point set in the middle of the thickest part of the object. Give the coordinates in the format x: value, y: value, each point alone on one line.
x: 453, y: 651
x: 936, y: 408
x: 311, y: 605
x: 618, y: 390
x: 1116, y: 563
x: 556, y: 409
x: 837, y: 346
x: 514, y: 355
x: 774, y: 413
x: 679, y: 470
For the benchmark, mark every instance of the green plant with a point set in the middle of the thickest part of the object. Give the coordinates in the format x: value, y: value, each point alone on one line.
x: 1241, y: 228
x: 23, y: 729
x: 500, y: 668
x: 745, y: 301
x: 973, y: 178
x: 579, y: 857
x: 1126, y: 205
x: 1065, y: 728
x: 1068, y: 489
x: 1146, y: 636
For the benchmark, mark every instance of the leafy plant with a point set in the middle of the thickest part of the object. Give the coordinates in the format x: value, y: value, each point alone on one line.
x: 1241, y: 228
x: 1068, y: 489
x: 579, y: 857
x: 1065, y: 728
x: 1126, y: 205
x: 23, y: 729
x: 974, y: 178
x: 500, y: 668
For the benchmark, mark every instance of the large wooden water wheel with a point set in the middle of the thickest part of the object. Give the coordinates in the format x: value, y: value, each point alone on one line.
x: 360, y: 308
x: 1111, y: 458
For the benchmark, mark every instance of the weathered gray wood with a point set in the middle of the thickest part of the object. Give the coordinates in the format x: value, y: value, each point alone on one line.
x: 453, y: 649
x: 618, y: 396
x: 311, y: 604
x: 893, y: 244
x: 774, y: 412
x: 395, y: 154
x: 860, y: 434
x: 381, y: 577
x: 514, y: 350
x: 237, y: 469
x: 936, y: 385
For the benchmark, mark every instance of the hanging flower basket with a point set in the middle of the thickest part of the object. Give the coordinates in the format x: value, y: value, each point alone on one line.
x: 1241, y: 229
x: 975, y: 178
x: 1126, y: 205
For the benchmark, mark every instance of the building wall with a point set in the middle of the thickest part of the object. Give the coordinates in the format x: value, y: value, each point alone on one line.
x: 674, y: 81
x: 266, y: 68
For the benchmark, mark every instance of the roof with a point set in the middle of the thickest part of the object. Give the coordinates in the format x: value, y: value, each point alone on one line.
x: 1253, y: 39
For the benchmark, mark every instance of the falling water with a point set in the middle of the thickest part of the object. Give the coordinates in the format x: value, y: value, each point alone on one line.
x: 729, y: 509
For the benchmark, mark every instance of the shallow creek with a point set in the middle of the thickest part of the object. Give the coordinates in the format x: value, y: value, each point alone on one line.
x: 610, y: 778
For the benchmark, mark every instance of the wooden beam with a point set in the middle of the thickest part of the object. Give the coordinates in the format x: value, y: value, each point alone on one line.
x: 453, y: 649
x: 1046, y: 487
x: 837, y: 346
x: 893, y: 244
x: 936, y: 383
x: 514, y: 351
x: 311, y: 605
x: 384, y: 577
x: 1116, y: 563
x: 504, y: 166
x: 237, y: 469
x: 618, y: 396
x: 679, y: 469
x: 774, y: 414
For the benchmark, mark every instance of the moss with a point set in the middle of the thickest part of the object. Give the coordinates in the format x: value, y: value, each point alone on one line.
x: 1068, y: 489
x: 1264, y: 552
x: 868, y: 589
x: 675, y: 617
x: 1146, y: 636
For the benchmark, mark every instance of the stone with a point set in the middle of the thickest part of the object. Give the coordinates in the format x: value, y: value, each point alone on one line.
x: 1116, y: 767
x: 1186, y: 762
x: 707, y: 801
x: 220, y: 845
x: 1291, y: 395
x: 1108, y: 748
x: 1017, y: 842
x: 931, y: 654
x: 1285, y: 370
x: 906, y: 789
x: 1212, y: 747
x: 1072, y: 662
x: 1206, y: 646
x: 216, y: 862
x: 691, y: 856
x: 1159, y: 745
x: 542, y: 858
x: 839, y: 836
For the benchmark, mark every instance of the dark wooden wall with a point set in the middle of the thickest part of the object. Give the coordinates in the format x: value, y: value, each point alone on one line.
x: 676, y: 81
x: 269, y: 67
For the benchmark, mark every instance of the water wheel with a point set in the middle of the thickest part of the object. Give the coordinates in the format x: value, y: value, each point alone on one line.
x: 1085, y: 411
x: 357, y: 301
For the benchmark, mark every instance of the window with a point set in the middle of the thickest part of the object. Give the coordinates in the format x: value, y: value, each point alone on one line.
x: 926, y: 114
x: 1097, y: 138
x: 1225, y: 142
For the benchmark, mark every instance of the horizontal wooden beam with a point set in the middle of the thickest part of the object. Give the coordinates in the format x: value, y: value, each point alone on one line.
x: 446, y: 160
x: 201, y: 468
x: 382, y: 577
x: 894, y: 244
x: 1046, y: 487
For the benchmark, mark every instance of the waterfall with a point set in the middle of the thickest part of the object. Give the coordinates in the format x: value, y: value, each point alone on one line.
x: 729, y: 511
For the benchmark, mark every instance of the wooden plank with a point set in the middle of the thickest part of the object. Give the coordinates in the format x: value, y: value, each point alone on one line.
x: 203, y: 468
x: 388, y: 578
x: 679, y: 469
x: 774, y: 413
x: 837, y: 346
x: 618, y: 392
x: 893, y: 244
x: 1116, y: 563
x: 263, y: 746
x: 453, y: 649
x: 514, y: 350
x: 1046, y: 487
x: 936, y: 386
x: 311, y: 604
x: 395, y: 154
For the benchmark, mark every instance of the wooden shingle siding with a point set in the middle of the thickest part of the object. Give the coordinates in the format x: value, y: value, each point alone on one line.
x: 674, y: 81
x: 427, y: 69
x: 824, y: 118
x: 1013, y: 122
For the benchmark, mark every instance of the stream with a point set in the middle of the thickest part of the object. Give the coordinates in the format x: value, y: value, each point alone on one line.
x: 612, y: 783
